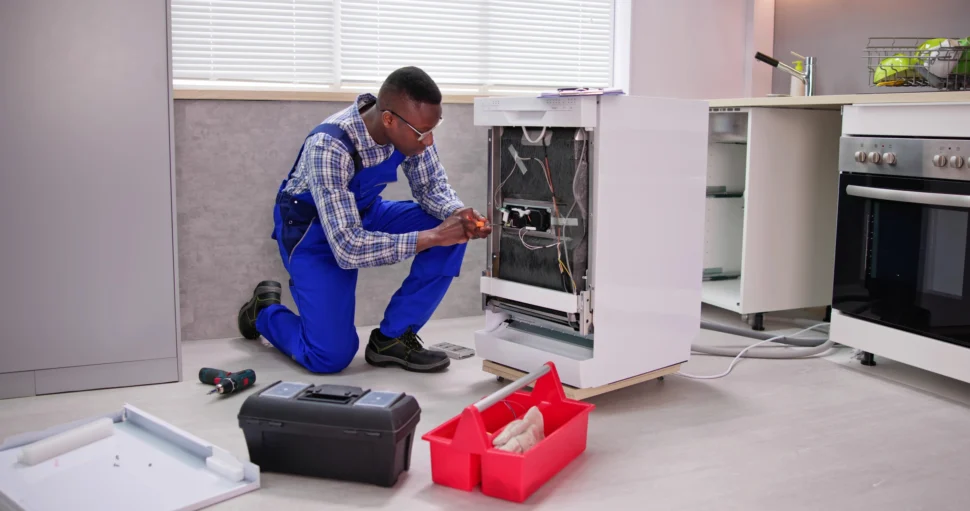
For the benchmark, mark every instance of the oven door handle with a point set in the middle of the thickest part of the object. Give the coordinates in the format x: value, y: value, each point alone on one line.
x: 927, y: 199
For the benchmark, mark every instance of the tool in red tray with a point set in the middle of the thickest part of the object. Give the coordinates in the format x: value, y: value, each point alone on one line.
x: 226, y: 382
x: 462, y: 455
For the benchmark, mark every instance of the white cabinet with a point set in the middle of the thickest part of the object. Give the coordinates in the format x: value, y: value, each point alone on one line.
x: 772, y: 188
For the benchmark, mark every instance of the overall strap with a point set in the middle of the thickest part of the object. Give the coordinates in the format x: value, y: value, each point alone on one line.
x: 397, y: 158
x: 336, y: 132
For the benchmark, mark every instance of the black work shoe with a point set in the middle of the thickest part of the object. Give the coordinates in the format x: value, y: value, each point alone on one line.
x: 406, y: 351
x: 266, y: 293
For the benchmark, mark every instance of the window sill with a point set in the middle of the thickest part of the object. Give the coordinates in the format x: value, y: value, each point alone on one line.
x: 280, y: 95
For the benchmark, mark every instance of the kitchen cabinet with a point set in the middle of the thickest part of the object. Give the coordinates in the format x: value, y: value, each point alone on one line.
x: 772, y: 189
x: 90, y: 295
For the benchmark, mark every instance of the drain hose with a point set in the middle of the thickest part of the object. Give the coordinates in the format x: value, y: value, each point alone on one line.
x: 805, y: 347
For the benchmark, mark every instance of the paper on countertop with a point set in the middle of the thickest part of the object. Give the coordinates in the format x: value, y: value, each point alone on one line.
x: 581, y: 91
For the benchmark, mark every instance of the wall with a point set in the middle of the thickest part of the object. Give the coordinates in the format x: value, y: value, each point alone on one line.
x: 230, y: 158
x: 700, y: 49
x: 837, y: 31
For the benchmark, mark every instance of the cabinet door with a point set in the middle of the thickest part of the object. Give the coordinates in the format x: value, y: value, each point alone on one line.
x: 791, y: 194
x: 86, y: 258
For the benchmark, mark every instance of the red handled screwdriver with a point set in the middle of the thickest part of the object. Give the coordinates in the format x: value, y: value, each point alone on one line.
x: 234, y: 382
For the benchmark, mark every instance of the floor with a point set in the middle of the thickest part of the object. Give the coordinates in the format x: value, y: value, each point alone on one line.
x: 801, y: 434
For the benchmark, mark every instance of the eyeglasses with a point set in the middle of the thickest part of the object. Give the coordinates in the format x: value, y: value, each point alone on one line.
x: 421, y: 135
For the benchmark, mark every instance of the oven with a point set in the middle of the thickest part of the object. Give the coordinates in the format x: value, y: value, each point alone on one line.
x: 902, y: 235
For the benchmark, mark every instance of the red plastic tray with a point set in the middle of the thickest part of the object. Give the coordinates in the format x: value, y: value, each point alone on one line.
x: 462, y: 455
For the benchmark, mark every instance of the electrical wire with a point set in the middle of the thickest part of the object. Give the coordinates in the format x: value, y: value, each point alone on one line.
x: 557, y: 230
x: 546, y: 175
x: 809, y: 352
x: 576, y: 201
x: 565, y: 268
x: 499, y: 189
x: 579, y: 165
x: 542, y: 135
x: 533, y: 247
x: 565, y: 251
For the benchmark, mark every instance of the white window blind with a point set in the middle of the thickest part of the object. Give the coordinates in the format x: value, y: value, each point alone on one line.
x: 286, y: 41
x: 474, y: 45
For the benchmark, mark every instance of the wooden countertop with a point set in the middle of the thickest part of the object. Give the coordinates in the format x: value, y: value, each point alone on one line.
x: 835, y: 102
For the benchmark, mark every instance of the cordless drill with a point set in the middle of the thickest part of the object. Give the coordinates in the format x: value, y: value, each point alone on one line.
x: 226, y: 382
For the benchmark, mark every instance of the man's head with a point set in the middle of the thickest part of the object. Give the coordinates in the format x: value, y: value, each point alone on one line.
x: 410, y: 105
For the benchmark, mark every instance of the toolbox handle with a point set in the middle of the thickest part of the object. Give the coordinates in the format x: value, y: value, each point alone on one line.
x: 470, y: 435
x: 508, y: 390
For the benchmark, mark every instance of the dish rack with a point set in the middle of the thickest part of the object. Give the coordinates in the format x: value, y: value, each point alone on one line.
x: 939, y: 63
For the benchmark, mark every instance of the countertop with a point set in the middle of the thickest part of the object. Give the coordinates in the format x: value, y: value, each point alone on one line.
x: 835, y: 102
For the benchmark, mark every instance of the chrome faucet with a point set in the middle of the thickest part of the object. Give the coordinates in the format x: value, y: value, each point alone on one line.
x: 807, y: 77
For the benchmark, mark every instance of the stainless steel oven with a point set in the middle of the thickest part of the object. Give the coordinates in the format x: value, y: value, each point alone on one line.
x: 902, y: 236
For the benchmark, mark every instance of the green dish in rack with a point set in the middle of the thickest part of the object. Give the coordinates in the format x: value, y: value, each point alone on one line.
x: 901, y: 67
x: 897, y: 67
x: 963, y: 67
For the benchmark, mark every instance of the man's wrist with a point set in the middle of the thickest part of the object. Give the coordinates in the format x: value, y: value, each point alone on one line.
x: 450, y: 210
x: 427, y: 239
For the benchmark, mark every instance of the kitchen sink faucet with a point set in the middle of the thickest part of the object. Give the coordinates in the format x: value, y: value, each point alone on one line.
x: 807, y: 77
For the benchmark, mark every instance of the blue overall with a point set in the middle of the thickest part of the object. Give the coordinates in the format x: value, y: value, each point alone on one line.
x: 323, y: 337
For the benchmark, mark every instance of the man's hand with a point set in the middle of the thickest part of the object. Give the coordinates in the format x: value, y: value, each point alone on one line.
x: 476, y: 225
x: 461, y: 226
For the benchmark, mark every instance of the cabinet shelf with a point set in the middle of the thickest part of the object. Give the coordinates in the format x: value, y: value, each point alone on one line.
x: 723, y: 293
x: 716, y: 193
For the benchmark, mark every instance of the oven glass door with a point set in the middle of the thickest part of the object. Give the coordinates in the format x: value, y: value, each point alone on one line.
x: 902, y: 254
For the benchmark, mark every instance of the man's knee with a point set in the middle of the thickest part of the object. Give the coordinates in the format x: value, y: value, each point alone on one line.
x: 330, y: 357
x: 439, y: 261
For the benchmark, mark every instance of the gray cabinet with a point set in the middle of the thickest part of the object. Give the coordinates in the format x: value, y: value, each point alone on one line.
x: 87, y: 254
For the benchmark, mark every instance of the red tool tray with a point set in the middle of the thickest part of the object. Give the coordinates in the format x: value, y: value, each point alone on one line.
x: 462, y: 455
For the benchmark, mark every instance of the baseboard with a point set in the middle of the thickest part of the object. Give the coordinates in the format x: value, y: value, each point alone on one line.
x: 19, y: 384
x: 103, y: 376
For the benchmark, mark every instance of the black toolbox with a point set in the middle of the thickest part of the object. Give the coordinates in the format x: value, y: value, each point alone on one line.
x: 330, y: 431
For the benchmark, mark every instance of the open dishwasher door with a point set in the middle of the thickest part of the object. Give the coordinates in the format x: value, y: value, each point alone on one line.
x: 596, y: 259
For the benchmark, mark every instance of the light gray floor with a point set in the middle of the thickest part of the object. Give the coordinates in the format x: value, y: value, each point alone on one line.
x: 773, y: 435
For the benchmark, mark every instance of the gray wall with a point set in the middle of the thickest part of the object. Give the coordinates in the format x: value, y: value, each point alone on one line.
x: 230, y: 157
x: 836, y: 31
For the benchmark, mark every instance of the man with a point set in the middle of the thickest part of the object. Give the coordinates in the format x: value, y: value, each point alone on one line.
x: 330, y: 221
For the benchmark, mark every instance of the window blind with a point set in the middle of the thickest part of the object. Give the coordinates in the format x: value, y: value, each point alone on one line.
x: 286, y: 41
x: 474, y: 45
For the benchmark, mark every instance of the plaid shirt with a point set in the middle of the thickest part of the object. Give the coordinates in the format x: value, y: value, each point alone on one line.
x: 326, y: 168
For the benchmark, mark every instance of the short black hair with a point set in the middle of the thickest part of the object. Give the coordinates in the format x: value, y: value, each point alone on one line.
x: 410, y: 82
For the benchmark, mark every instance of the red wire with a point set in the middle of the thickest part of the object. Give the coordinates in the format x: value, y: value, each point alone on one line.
x: 555, y: 208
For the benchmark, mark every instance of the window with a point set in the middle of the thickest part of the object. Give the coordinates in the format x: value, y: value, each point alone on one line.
x: 471, y: 46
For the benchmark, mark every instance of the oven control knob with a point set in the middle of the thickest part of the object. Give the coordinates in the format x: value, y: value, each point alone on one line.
x: 889, y: 158
x: 939, y: 160
x: 956, y: 161
x: 860, y: 156
x: 874, y: 157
